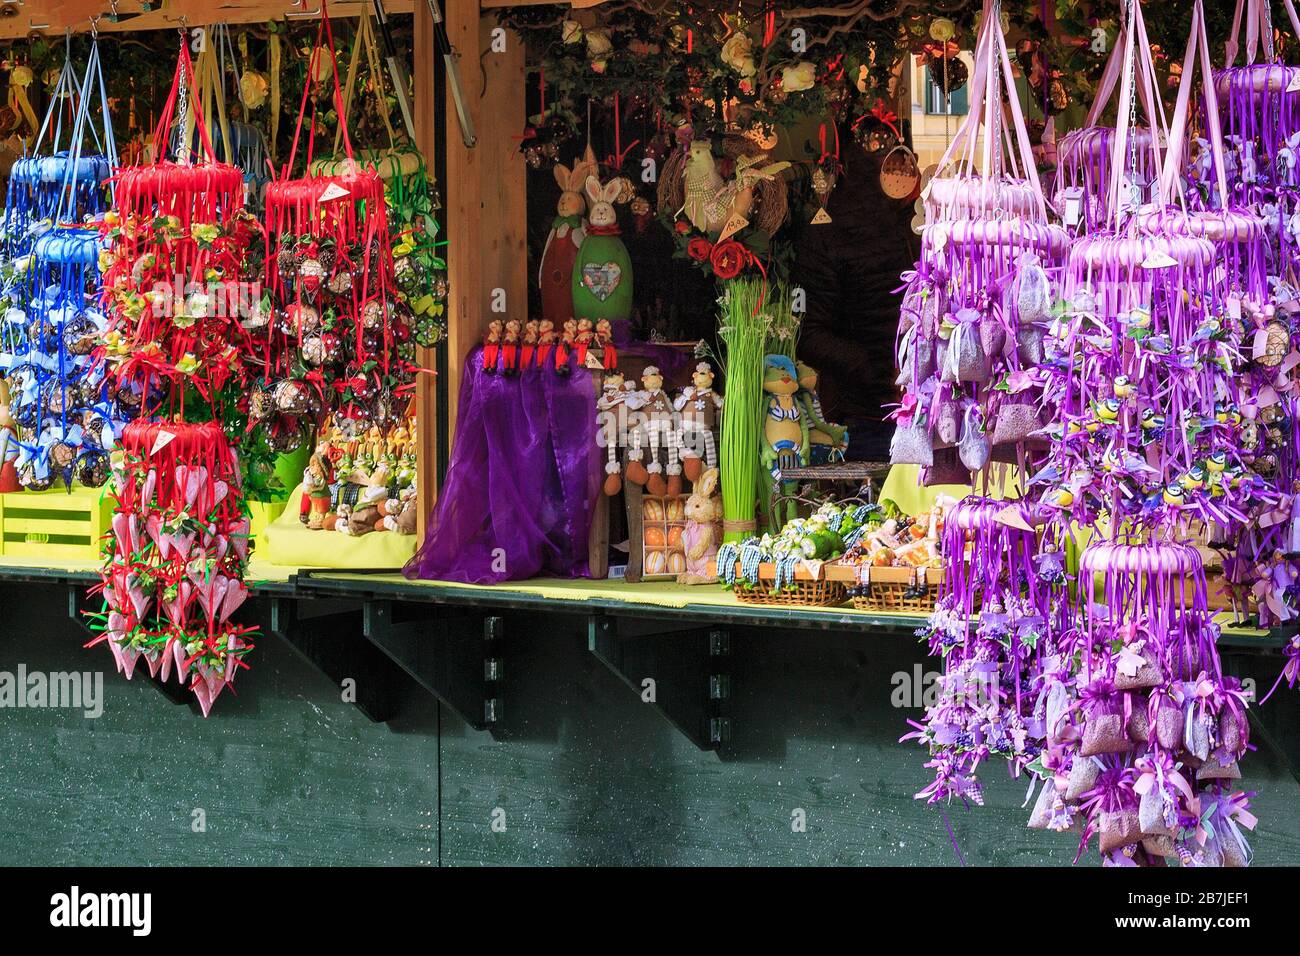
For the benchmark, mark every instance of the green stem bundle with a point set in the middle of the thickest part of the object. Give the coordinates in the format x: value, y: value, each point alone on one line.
x: 743, y: 333
x: 783, y: 330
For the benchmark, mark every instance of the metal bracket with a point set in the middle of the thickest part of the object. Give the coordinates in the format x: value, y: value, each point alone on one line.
x: 679, y: 669
x: 456, y: 656
x: 178, y: 693
x: 327, y: 634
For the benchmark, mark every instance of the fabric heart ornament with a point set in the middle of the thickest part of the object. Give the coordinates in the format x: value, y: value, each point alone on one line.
x: 601, y: 280
x: 129, y: 657
x: 140, y: 600
x: 180, y: 657
x: 236, y: 595
x: 168, y: 661
x: 154, y: 661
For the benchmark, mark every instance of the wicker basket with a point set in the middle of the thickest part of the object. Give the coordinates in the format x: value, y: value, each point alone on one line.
x: 804, y: 591
x: 895, y: 589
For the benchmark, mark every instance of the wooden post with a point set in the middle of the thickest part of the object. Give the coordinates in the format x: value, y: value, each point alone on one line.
x: 483, y: 198
x: 426, y: 391
x: 487, y: 256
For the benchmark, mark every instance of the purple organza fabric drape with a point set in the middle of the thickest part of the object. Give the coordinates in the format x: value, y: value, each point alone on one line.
x: 523, y: 481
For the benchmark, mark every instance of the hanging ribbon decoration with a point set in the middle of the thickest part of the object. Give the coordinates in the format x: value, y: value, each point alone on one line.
x: 614, y: 161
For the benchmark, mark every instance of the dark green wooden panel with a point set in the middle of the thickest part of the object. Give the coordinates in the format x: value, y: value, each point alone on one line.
x: 286, y: 772
x: 584, y: 772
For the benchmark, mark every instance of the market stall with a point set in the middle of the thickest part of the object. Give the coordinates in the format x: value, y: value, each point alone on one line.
x: 704, y: 344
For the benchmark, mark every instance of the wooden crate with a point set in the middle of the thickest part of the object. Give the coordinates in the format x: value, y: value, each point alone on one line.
x: 260, y: 515
x: 58, y: 524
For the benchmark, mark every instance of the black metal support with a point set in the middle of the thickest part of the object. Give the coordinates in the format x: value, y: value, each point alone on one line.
x: 328, y: 635
x: 454, y: 655
x: 79, y: 601
x: 680, y: 670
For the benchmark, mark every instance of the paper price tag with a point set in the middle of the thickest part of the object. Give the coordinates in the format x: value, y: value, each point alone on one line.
x: 733, y: 225
x: 332, y: 192
x: 1157, y: 259
x: 162, y: 441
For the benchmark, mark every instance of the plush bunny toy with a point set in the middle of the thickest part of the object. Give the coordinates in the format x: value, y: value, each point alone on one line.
x: 555, y: 273
x: 602, y: 276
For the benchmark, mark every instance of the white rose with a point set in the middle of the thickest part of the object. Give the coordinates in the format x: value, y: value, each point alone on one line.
x: 598, y: 44
x: 571, y: 31
x: 738, y: 53
x: 801, y: 76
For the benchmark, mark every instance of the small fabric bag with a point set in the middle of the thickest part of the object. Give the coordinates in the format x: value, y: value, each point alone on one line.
x: 1014, y: 422
x: 947, y: 422
x: 1148, y: 672
x: 1033, y: 291
x: 974, y: 448
x: 946, y: 469
x: 1119, y: 828
x: 911, y: 444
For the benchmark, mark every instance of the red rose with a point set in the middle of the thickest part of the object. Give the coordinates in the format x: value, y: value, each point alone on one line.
x: 682, y: 227
x: 699, y: 249
x: 728, y: 259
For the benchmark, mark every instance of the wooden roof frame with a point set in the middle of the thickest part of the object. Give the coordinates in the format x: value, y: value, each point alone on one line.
x: 483, y: 192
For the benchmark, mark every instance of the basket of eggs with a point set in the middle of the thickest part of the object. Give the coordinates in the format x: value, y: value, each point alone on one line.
x: 897, y: 566
x: 663, y: 522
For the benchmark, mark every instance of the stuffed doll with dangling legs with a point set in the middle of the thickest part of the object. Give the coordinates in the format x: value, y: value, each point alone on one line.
x: 700, y: 408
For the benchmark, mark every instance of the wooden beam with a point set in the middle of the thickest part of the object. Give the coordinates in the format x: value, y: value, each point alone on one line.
x: 426, y: 390
x: 487, y: 234
x: 54, y: 17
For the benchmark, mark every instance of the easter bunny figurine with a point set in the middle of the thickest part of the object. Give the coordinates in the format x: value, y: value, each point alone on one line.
x: 602, y: 276
x: 555, y: 274
x: 702, y: 533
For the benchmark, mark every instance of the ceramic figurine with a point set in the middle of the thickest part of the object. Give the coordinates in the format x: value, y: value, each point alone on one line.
x: 510, y: 348
x: 545, y: 341
x: 567, y: 340
x: 492, y: 345
x: 555, y: 274
x: 700, y: 408
x: 583, y: 340
x: 316, y: 490
x: 605, y: 341
x: 827, y: 442
x: 785, y: 426
x: 602, y: 276
x: 529, y: 346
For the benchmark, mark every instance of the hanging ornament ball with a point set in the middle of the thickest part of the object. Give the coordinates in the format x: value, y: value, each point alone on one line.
x: 942, y: 29
x: 92, y: 468
x: 261, y: 404
x: 292, y: 397
x: 1277, y: 344
x: 62, y: 455
x: 313, y: 350
x: 79, y: 336
x: 29, y: 480
x: 341, y: 282
x: 900, y: 175
x: 948, y: 72
x: 301, y: 319
x: 428, y: 331
x: 1058, y: 95
x: 372, y: 315
x: 311, y: 274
